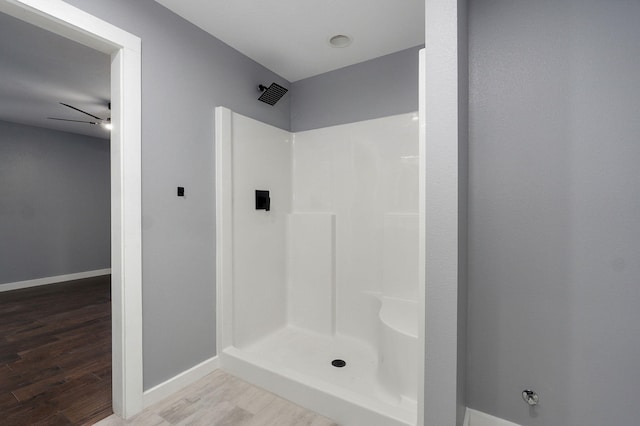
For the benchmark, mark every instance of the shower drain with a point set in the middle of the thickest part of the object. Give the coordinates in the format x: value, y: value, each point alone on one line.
x: 338, y: 363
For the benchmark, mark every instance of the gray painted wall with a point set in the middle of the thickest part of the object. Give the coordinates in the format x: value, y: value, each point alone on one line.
x: 372, y: 89
x: 554, y: 237
x: 463, y: 196
x: 54, y: 203
x: 186, y: 73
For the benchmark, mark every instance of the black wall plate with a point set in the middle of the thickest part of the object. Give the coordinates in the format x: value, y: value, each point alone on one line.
x: 263, y: 201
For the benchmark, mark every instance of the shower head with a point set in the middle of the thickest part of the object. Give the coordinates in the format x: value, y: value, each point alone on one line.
x: 272, y: 94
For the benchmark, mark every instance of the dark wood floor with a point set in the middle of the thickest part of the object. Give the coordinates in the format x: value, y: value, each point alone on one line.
x: 55, y: 353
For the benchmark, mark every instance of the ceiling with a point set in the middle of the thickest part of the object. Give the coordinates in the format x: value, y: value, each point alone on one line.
x: 39, y: 69
x: 290, y: 37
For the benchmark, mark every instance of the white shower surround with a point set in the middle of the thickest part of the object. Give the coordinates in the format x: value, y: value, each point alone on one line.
x: 330, y: 272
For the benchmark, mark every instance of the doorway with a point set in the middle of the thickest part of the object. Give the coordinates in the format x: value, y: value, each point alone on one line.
x: 124, y: 50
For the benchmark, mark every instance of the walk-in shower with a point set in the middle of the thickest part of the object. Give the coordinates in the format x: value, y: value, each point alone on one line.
x: 318, y: 293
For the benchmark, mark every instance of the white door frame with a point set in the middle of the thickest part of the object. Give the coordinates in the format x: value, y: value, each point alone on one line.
x: 126, y: 248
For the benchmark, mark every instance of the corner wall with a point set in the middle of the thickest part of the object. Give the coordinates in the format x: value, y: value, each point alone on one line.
x: 54, y: 203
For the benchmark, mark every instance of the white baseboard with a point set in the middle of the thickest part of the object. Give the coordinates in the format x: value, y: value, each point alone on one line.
x: 478, y: 418
x: 53, y: 280
x: 179, y: 382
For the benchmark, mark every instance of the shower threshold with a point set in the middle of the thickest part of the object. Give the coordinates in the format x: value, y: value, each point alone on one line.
x: 297, y: 364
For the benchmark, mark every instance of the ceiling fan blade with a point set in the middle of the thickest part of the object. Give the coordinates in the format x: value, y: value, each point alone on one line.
x: 78, y: 109
x: 75, y: 121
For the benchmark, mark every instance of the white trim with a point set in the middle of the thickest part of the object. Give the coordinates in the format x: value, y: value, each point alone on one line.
x: 478, y: 418
x: 73, y: 23
x: 53, y: 280
x: 126, y: 233
x: 180, y: 381
x: 126, y: 188
x: 224, y: 240
x: 422, y: 161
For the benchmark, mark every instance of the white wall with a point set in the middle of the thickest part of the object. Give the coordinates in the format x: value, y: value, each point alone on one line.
x: 312, y: 272
x: 354, y: 188
x: 261, y: 159
x: 359, y: 172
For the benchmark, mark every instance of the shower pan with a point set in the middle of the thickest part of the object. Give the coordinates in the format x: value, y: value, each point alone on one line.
x: 317, y: 295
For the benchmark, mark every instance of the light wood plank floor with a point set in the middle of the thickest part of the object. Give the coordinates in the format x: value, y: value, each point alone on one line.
x: 221, y: 399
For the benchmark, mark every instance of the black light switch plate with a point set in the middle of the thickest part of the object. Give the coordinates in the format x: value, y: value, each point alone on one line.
x: 180, y: 191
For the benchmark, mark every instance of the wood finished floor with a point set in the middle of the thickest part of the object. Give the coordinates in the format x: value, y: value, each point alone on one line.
x: 221, y: 399
x: 55, y: 353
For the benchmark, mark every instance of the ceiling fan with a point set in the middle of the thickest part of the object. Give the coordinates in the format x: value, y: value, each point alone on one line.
x: 104, y: 122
